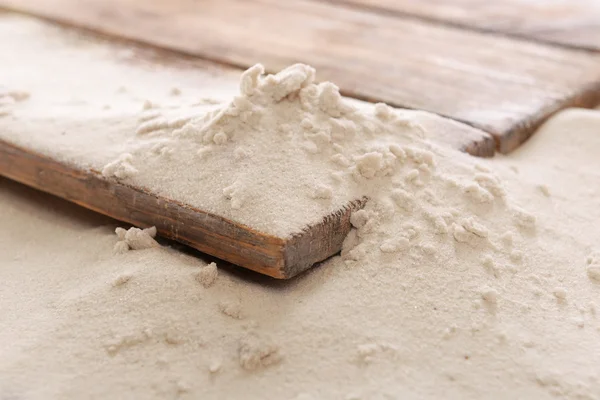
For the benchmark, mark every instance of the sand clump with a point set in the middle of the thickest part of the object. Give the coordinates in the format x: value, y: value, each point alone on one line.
x: 215, y: 365
x: 207, y: 275
x: 120, y: 168
x: 257, y: 352
x: 231, y: 308
x: 135, y: 239
x: 593, y: 266
x: 9, y: 98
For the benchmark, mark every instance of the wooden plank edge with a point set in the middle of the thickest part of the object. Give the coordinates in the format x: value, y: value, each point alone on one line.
x: 321, y: 240
x: 269, y: 255
x: 508, y: 141
x: 485, y: 147
x: 457, y: 135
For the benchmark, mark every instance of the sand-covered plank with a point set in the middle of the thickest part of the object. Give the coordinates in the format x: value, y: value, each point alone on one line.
x: 504, y: 86
x: 186, y: 146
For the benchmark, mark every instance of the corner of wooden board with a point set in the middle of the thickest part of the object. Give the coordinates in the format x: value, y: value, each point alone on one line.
x: 319, y: 241
x: 518, y: 132
x: 485, y: 147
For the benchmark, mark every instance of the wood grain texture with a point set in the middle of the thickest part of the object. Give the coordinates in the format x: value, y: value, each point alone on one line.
x: 238, y: 244
x: 504, y: 86
x: 573, y: 23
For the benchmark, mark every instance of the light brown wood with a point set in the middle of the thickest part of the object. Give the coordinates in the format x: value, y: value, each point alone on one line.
x: 504, y: 86
x: 573, y: 23
x: 212, y: 234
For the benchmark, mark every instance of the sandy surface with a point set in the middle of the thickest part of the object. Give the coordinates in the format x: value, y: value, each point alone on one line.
x: 462, y: 278
x: 72, y: 329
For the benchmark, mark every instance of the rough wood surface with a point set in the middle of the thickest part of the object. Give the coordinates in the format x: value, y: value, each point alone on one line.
x: 62, y: 162
x: 238, y: 244
x: 573, y: 23
x: 504, y: 86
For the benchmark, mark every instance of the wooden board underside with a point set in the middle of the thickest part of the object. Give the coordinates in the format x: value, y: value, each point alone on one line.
x: 574, y: 23
x: 206, y: 232
x: 504, y: 86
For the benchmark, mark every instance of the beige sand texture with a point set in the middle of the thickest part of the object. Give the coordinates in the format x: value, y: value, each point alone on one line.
x: 80, y: 321
x: 225, y: 144
x: 463, y: 278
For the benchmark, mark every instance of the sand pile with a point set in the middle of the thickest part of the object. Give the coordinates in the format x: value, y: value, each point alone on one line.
x: 281, y: 154
x: 285, y: 150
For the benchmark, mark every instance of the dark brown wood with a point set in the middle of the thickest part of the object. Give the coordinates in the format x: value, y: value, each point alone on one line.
x: 574, y: 23
x: 503, y: 86
x: 209, y: 233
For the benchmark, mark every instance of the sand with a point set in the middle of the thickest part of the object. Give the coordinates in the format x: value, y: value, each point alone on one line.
x: 462, y: 278
x: 81, y: 321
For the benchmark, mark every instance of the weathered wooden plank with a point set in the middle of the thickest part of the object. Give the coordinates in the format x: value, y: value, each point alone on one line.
x: 504, y: 86
x: 129, y: 60
x: 70, y: 108
x: 573, y: 23
x: 212, y: 234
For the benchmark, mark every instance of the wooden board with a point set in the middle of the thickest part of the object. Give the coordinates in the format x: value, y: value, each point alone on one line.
x: 212, y: 234
x: 573, y: 23
x: 81, y: 64
x: 504, y: 86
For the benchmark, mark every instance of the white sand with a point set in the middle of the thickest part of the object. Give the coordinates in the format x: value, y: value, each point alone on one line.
x: 464, y: 278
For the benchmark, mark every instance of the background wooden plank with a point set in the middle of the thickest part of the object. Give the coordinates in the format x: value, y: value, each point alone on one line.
x: 93, y: 55
x: 566, y: 22
x: 504, y: 86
